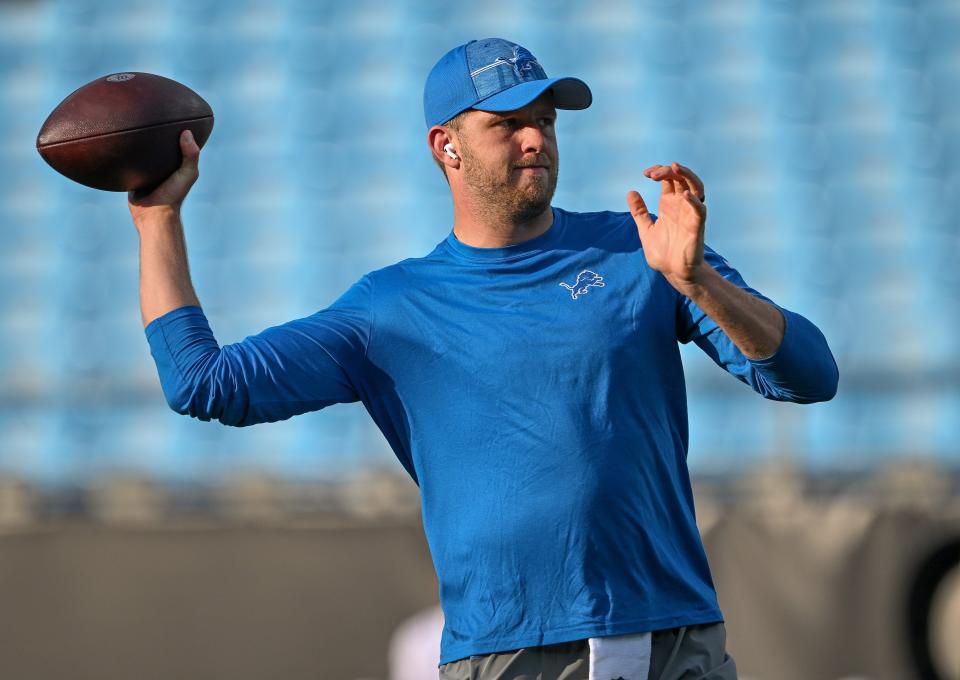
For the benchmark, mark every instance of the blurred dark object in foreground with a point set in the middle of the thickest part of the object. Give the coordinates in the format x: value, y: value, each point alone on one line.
x: 826, y: 577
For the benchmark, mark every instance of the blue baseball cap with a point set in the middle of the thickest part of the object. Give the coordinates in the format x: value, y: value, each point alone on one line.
x: 493, y: 75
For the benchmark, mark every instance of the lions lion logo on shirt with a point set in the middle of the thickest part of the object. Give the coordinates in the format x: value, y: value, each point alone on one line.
x: 585, y: 279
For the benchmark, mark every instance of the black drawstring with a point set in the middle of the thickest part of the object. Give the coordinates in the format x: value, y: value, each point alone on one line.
x: 673, y: 652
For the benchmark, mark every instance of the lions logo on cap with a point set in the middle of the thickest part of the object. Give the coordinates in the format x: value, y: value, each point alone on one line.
x: 524, y: 64
x: 522, y: 61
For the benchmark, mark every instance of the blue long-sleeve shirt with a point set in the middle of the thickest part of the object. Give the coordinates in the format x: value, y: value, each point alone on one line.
x: 535, y: 394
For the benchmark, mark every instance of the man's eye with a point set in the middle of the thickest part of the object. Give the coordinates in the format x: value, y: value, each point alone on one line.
x: 510, y: 123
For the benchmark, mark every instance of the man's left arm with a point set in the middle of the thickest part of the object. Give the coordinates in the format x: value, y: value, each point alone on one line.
x: 779, y: 353
x: 755, y: 326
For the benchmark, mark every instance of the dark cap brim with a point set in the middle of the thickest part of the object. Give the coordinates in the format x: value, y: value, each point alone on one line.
x: 568, y: 93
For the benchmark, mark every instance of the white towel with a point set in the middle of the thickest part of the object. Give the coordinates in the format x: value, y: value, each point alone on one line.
x: 620, y: 657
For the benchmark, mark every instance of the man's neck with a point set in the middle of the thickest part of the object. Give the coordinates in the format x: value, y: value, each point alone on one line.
x: 495, y: 231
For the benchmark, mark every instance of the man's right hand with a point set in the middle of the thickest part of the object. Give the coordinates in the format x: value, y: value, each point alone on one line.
x: 169, y: 195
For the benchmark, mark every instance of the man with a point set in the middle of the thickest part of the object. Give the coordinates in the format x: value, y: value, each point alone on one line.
x: 526, y: 374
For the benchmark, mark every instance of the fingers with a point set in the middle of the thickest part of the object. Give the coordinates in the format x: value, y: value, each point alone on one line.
x: 696, y: 203
x: 190, y: 150
x: 676, y: 178
x: 694, y: 183
x: 669, y: 184
x: 639, y: 210
x: 172, y: 190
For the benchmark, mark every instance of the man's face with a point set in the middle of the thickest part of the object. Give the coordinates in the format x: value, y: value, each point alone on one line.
x: 510, y: 159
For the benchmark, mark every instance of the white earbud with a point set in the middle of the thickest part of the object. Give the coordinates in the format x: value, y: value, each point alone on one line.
x: 450, y: 152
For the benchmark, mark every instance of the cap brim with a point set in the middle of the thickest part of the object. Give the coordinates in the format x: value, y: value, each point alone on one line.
x: 568, y: 93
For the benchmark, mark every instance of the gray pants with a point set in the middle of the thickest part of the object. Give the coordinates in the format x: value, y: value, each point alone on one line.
x: 687, y: 653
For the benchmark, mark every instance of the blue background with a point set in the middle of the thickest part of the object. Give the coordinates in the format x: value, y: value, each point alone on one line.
x: 825, y: 133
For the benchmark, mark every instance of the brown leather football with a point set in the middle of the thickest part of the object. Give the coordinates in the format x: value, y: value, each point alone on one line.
x: 121, y: 132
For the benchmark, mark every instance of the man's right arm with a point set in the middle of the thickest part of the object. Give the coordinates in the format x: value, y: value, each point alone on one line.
x: 302, y: 365
x: 164, y: 274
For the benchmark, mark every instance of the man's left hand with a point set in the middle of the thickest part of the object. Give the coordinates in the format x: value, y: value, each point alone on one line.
x: 673, y: 245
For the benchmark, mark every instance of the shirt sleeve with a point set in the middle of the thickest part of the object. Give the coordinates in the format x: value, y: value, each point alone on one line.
x: 303, y: 365
x: 802, y: 369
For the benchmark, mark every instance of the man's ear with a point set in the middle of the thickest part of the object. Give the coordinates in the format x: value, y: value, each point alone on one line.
x: 437, y: 138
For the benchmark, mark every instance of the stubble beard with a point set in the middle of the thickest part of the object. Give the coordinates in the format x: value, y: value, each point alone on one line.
x: 501, y: 198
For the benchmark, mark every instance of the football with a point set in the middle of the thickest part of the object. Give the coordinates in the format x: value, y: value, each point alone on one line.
x: 121, y: 132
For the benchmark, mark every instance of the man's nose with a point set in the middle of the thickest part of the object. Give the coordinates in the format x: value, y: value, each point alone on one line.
x: 532, y: 139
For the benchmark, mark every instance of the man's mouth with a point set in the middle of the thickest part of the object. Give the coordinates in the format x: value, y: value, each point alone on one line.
x: 532, y: 166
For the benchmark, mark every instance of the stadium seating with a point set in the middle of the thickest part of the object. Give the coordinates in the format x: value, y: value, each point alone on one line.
x: 825, y: 133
